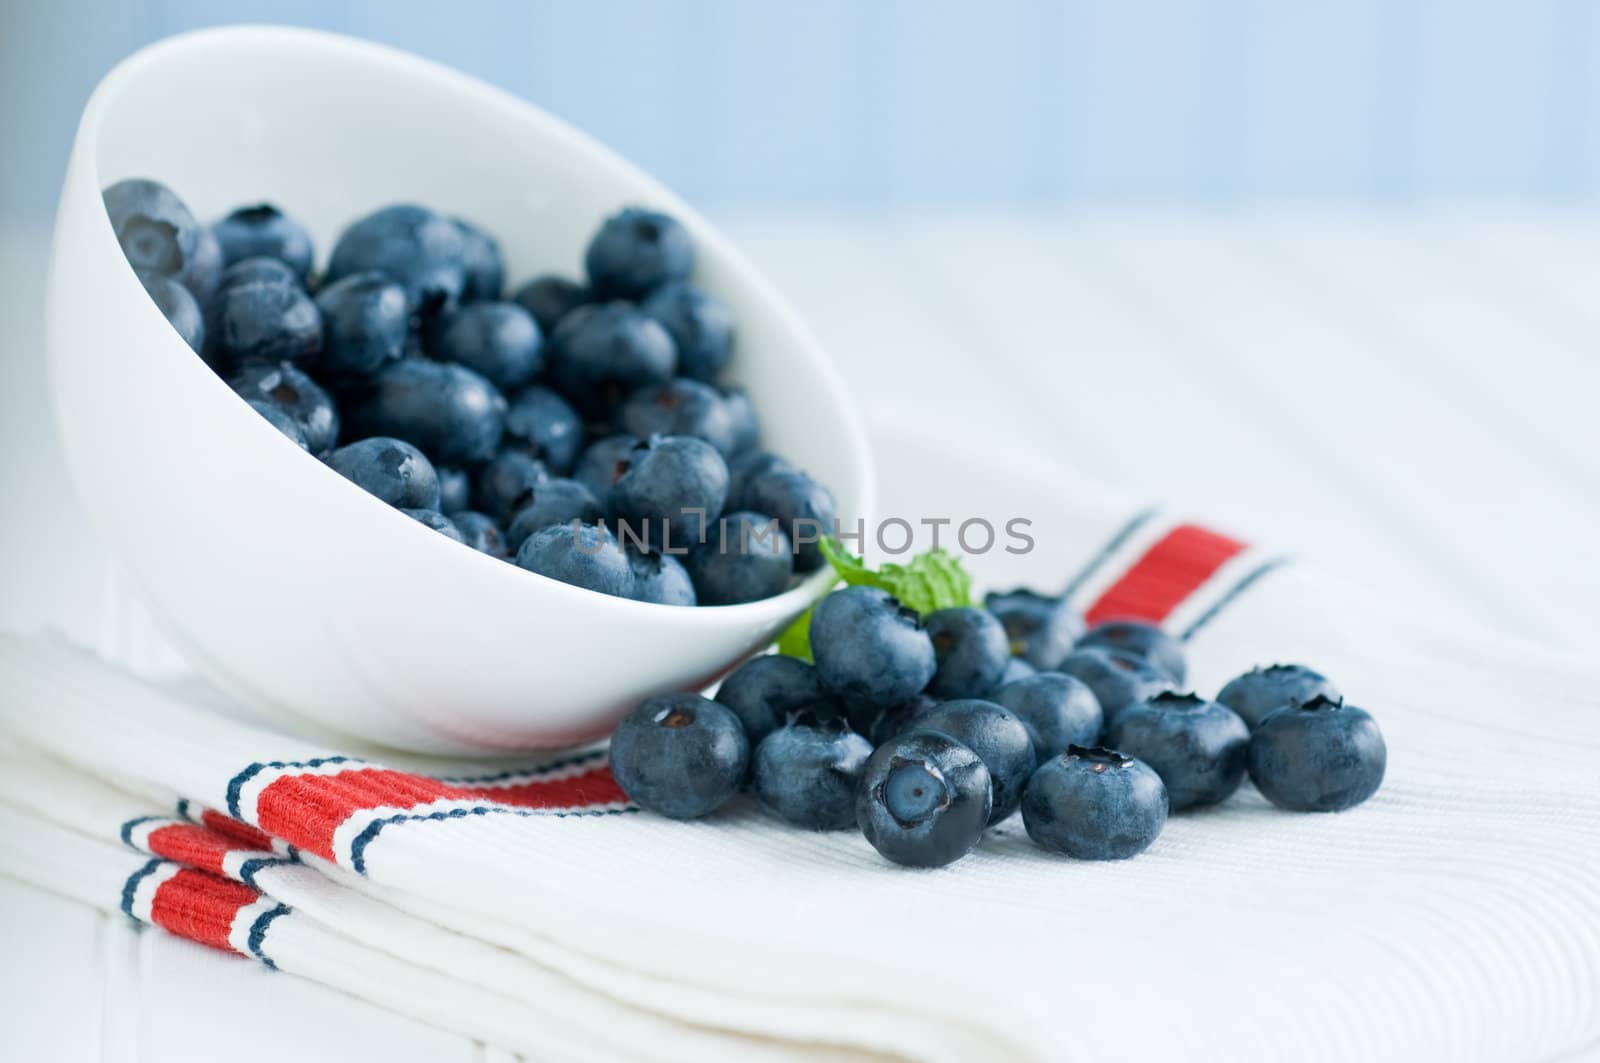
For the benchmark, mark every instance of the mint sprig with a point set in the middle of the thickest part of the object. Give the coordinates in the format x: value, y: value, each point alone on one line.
x: 932, y: 580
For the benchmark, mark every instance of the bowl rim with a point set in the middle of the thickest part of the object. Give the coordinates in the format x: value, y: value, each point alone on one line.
x: 474, y: 91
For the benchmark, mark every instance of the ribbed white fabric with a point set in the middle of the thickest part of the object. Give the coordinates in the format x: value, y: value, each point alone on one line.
x: 1454, y: 916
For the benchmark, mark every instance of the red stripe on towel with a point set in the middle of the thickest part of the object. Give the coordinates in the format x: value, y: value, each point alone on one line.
x: 1173, y: 568
x: 200, y: 907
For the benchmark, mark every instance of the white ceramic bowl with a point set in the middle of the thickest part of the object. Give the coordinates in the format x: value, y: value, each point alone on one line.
x: 286, y: 584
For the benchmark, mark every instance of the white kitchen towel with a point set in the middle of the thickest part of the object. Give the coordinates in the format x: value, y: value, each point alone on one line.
x: 1454, y: 916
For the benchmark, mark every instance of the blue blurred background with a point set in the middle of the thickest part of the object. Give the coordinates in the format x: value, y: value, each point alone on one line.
x: 932, y: 101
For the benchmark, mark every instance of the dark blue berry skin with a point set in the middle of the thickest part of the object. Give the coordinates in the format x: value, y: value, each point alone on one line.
x: 392, y: 470
x: 455, y: 489
x: 765, y: 691
x: 543, y: 425
x: 557, y: 501
x: 998, y: 737
x: 203, y: 275
x: 637, y: 251
x: 680, y: 755
x: 584, y: 555
x: 157, y: 232
x: 419, y: 250
x: 701, y: 326
x: 923, y: 799
x: 972, y: 651
x: 672, y: 490
x: 806, y: 772
x: 264, y: 230
x: 869, y: 649
x: 501, y: 341
x: 1262, y: 691
x: 256, y: 318
x: 452, y: 413
x: 1017, y: 668
x: 440, y: 523
x: 1058, y: 711
x: 177, y: 304
x: 1198, y: 747
x: 680, y: 407
x: 880, y: 725
x: 602, y: 353
x: 1094, y: 804
x: 258, y: 269
x: 279, y: 419
x: 804, y: 507
x: 1139, y: 639
x: 1319, y: 756
x: 659, y: 579
x: 1116, y: 679
x: 745, y: 558
x: 479, y: 531
x: 365, y: 324
x: 484, y: 271
x: 298, y: 395
x: 550, y: 298
x: 506, y: 484
x: 749, y: 464
x: 742, y: 417
x: 1041, y: 629
x: 602, y: 464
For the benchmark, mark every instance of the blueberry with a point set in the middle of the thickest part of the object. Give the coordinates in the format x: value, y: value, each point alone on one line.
x: 680, y: 755
x: 258, y: 269
x: 998, y: 737
x: 764, y: 691
x: 1117, y: 679
x: 541, y: 423
x: 637, y: 251
x: 1017, y: 668
x: 1198, y: 747
x: 391, y: 469
x: 440, y: 523
x: 1041, y: 628
x: 1318, y: 756
x: 278, y: 418
x: 203, y: 275
x: 550, y: 298
x: 157, y: 232
x: 365, y: 324
x: 264, y: 230
x: 558, y: 501
x: 479, y: 531
x: 601, y: 465
x: 455, y: 489
x: 499, y: 340
x: 673, y: 487
x: 806, y: 773
x: 1139, y: 639
x: 972, y: 651
x: 701, y: 327
x: 923, y: 799
x: 742, y: 418
x: 1262, y: 691
x: 680, y: 407
x: 602, y: 353
x: 506, y: 484
x: 869, y: 649
x: 298, y: 395
x: 659, y: 578
x: 452, y: 413
x: 1094, y: 804
x: 880, y: 725
x: 584, y: 555
x: 749, y: 464
x: 801, y: 505
x: 255, y: 317
x: 745, y: 558
x: 179, y: 307
x: 419, y: 250
x: 484, y: 272
x: 1058, y: 710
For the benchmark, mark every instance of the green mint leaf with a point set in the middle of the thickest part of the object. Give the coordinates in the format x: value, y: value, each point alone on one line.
x: 796, y: 638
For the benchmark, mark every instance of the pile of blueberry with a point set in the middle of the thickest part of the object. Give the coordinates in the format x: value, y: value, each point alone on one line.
x: 579, y: 429
x: 922, y: 731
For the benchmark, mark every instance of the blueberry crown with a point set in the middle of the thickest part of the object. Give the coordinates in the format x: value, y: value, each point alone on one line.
x: 1321, y: 703
x: 1099, y: 757
x: 1171, y: 699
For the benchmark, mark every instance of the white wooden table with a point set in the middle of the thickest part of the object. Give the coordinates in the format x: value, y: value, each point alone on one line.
x: 1407, y: 400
